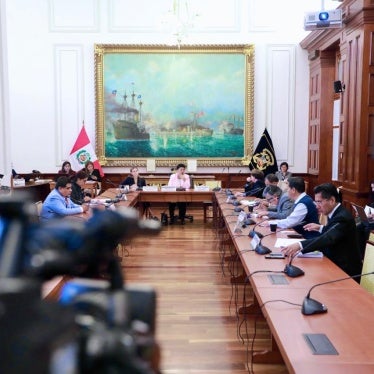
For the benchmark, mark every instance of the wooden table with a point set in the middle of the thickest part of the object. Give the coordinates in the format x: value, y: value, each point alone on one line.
x: 160, y: 180
x: 348, y: 323
x: 38, y: 190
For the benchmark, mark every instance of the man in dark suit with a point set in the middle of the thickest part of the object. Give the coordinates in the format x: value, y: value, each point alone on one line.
x: 338, y: 240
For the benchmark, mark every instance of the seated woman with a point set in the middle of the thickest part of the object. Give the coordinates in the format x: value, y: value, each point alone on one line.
x: 134, y: 181
x: 92, y: 173
x: 78, y: 195
x: 283, y: 174
x: 181, y: 181
x: 66, y: 170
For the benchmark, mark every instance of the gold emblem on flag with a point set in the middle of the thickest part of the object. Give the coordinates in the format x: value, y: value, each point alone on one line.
x: 263, y: 159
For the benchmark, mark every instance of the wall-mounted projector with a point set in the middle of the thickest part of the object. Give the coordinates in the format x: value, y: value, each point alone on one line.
x: 324, y: 19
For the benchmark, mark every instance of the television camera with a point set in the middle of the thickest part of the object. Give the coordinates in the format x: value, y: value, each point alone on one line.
x: 97, y: 326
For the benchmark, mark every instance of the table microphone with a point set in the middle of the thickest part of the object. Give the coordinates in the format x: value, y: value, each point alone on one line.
x: 311, y: 306
x: 293, y: 271
x: 107, y: 180
x: 112, y: 201
x: 262, y: 249
x: 217, y: 188
x: 252, y: 233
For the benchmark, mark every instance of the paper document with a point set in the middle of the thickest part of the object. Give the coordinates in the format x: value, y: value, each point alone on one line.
x: 284, y: 242
x: 315, y: 254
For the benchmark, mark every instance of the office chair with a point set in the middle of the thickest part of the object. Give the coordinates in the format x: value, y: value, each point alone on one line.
x: 164, y: 217
x: 192, y: 186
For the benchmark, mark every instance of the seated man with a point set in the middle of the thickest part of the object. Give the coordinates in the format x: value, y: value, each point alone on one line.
x: 255, y: 184
x: 181, y: 181
x: 270, y: 180
x: 275, y: 197
x: 58, y: 203
x: 338, y: 240
x: 304, y: 210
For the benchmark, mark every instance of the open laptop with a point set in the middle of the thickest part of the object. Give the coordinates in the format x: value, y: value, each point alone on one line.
x: 361, y: 213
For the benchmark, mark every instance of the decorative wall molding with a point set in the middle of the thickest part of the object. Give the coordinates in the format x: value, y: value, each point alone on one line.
x: 280, y: 99
x: 74, y: 16
x: 69, y: 97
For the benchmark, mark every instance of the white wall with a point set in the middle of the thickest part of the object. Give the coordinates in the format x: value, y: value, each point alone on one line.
x: 47, y: 68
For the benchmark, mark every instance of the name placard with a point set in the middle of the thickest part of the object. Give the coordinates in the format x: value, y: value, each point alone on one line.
x: 150, y: 188
x: 168, y: 189
x: 202, y: 188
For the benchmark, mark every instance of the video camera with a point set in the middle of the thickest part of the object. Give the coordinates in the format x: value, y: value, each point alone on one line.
x: 97, y: 326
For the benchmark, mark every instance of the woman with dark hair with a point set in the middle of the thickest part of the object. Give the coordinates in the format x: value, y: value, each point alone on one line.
x: 92, y: 173
x: 66, y: 169
x: 78, y: 195
x: 283, y: 174
x: 181, y: 181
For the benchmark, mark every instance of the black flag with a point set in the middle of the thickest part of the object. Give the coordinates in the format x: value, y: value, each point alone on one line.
x: 264, y: 156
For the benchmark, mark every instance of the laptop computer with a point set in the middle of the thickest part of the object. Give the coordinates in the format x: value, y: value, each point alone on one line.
x: 361, y: 213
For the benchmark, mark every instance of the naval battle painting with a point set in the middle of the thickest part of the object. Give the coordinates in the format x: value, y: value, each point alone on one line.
x: 173, y: 104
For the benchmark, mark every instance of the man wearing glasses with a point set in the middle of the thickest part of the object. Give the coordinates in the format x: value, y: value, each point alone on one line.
x: 338, y: 240
x: 303, y: 211
x: 279, y: 204
x: 58, y: 203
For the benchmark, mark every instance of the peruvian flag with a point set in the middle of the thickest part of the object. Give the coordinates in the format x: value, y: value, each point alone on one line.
x: 82, y: 152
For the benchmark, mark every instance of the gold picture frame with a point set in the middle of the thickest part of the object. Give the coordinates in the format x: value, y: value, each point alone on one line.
x: 172, y: 104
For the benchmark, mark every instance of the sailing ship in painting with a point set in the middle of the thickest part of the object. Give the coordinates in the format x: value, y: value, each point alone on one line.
x: 231, y: 127
x: 129, y: 125
x: 190, y: 128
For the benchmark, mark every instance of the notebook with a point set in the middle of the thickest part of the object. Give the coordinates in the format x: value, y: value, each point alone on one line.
x: 361, y: 213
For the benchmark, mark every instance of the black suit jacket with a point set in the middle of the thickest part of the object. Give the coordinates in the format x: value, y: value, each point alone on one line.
x: 338, y: 243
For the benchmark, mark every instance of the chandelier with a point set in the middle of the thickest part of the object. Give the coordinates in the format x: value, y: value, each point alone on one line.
x: 179, y: 20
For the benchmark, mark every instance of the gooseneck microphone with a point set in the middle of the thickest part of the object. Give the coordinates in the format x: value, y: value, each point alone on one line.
x: 293, y: 271
x: 218, y: 188
x: 262, y: 249
x: 107, y: 180
x: 311, y: 306
x: 252, y: 233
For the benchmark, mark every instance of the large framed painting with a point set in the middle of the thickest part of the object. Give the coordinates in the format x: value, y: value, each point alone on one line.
x: 171, y: 104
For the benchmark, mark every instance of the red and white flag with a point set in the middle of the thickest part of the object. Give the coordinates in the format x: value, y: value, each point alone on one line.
x: 82, y: 152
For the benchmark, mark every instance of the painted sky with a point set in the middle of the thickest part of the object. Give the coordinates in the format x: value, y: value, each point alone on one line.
x: 175, y: 85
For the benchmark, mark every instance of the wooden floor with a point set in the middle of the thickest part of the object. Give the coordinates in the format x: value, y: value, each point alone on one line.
x: 196, y: 329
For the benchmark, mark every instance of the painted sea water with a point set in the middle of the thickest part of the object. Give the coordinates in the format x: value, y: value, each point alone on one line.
x: 170, y: 145
x: 179, y: 105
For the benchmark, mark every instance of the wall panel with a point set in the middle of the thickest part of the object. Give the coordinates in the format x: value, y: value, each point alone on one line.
x: 74, y: 16
x: 68, y: 97
x: 280, y: 103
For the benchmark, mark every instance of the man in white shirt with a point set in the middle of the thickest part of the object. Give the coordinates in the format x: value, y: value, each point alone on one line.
x: 304, y: 210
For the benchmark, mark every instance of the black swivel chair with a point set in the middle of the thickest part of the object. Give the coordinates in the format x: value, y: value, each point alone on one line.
x: 192, y: 185
x: 189, y: 217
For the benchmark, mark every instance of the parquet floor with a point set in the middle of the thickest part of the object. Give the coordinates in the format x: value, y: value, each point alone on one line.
x: 196, y: 318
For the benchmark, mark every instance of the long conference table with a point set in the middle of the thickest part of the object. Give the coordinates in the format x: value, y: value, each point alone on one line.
x: 348, y: 324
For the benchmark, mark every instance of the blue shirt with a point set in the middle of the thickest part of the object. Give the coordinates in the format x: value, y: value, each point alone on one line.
x: 56, y: 206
